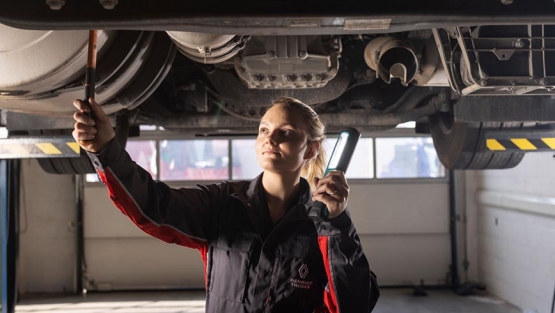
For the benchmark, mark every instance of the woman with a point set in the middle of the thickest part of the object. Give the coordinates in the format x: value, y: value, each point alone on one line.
x: 261, y: 252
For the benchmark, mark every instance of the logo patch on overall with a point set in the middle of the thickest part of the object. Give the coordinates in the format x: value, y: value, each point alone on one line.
x: 301, y: 283
x: 303, y: 271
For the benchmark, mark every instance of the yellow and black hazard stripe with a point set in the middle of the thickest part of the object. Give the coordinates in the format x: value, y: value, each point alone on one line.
x: 521, y: 144
x: 40, y: 147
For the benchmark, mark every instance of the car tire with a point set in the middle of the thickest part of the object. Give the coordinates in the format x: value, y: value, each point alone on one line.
x: 462, y: 146
x: 79, y: 165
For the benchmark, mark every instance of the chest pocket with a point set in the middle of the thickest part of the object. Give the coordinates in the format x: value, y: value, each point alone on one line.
x: 230, y: 266
x: 299, y: 266
x: 294, y: 246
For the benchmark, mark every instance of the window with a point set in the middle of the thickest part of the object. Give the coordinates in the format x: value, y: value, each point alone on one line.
x: 143, y: 152
x: 407, y: 158
x: 194, y: 160
x: 245, y: 164
x: 362, y: 161
x: 3, y: 132
x: 235, y: 159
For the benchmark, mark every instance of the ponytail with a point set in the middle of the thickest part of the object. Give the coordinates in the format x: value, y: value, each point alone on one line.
x: 315, y: 167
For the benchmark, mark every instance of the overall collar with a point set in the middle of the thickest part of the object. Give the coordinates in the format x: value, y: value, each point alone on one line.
x: 255, y: 190
x: 257, y: 209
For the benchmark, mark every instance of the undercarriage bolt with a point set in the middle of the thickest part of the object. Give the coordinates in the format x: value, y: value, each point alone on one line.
x: 507, y: 1
x: 109, y: 4
x: 519, y: 44
x: 483, y: 82
x: 303, y: 54
x: 287, y: 78
x: 55, y: 4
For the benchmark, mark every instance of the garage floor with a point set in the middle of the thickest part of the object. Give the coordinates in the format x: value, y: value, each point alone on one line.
x: 392, y: 301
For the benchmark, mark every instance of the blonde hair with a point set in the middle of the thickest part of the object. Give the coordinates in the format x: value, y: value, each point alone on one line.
x: 316, y: 166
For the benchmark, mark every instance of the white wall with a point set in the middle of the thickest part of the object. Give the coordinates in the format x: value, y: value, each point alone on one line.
x: 516, y: 230
x: 404, y: 230
x: 116, y: 251
x: 468, y: 217
x: 47, y: 242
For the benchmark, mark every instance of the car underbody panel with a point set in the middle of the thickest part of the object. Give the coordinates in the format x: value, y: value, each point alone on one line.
x: 461, y: 67
x: 271, y: 17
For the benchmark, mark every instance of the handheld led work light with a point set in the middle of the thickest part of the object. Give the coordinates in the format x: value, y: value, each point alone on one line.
x: 339, y: 161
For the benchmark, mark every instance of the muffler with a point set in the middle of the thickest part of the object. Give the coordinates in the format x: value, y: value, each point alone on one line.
x: 392, y: 58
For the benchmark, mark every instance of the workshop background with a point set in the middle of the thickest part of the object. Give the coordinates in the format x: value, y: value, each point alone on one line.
x: 403, y: 202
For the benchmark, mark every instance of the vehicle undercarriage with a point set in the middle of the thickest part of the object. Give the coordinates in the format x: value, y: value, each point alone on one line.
x: 470, y: 73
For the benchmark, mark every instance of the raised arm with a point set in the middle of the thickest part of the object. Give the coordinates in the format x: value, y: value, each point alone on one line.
x: 181, y: 216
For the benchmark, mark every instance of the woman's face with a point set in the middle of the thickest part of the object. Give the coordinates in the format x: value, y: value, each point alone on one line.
x: 282, y: 142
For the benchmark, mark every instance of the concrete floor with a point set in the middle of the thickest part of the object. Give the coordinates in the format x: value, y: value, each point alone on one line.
x: 392, y: 301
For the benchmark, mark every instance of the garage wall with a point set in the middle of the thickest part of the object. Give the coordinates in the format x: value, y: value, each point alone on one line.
x: 47, y: 242
x: 403, y: 226
x: 120, y: 256
x: 466, y: 224
x: 404, y: 230
x: 406, y: 239
x: 516, y: 231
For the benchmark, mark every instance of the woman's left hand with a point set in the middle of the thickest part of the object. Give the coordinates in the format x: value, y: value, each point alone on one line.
x: 333, y: 191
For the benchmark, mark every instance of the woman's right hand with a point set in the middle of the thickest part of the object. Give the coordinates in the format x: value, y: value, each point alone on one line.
x: 93, y: 135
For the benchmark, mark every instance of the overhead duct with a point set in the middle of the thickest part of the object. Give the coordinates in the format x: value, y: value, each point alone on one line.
x: 43, y: 79
x: 208, y: 48
x: 32, y: 62
x: 392, y: 58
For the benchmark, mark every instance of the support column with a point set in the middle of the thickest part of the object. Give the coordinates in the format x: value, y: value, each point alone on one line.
x: 9, y: 234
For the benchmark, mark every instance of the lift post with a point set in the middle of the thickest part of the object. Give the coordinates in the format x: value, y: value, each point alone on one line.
x: 9, y: 221
x: 3, y: 237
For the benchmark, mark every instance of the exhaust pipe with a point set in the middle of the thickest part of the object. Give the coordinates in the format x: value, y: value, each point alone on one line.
x: 392, y: 58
